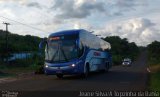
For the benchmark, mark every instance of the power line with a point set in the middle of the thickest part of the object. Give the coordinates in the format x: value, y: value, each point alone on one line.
x: 24, y: 24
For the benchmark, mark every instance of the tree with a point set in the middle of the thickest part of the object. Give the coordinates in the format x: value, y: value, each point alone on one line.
x: 121, y: 48
x: 18, y: 43
x: 154, y: 52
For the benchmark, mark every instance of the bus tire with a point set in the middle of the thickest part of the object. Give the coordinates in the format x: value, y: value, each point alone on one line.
x: 86, y: 72
x: 107, y: 67
x: 59, y: 76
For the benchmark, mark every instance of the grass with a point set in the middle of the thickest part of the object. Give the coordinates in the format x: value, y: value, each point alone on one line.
x: 155, y: 78
x: 4, y: 75
x: 16, y: 70
x: 19, y: 66
x: 155, y: 81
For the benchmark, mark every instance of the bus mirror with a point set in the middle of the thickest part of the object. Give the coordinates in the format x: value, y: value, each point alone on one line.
x: 42, y: 43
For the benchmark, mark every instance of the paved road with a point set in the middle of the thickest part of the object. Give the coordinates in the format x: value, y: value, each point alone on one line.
x: 118, y: 78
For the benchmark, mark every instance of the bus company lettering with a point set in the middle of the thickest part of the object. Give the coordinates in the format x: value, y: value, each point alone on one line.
x: 54, y: 38
x: 97, y: 54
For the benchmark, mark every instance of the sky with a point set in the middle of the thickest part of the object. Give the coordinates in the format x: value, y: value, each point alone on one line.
x: 136, y: 20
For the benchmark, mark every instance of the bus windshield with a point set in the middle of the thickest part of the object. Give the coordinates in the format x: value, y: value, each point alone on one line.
x: 61, y: 51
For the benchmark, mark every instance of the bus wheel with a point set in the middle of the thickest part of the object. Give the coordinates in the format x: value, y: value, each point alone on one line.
x: 86, y: 73
x: 107, y: 67
x: 59, y: 75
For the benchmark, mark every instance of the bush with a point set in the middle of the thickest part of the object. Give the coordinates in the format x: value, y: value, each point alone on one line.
x: 121, y: 48
x: 117, y: 59
x: 154, y: 52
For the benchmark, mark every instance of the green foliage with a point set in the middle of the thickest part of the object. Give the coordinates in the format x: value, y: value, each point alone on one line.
x: 155, y: 79
x: 117, y: 59
x: 2, y: 75
x: 121, y: 48
x: 29, y: 64
x: 23, y: 43
x: 154, y: 53
x: 19, y: 43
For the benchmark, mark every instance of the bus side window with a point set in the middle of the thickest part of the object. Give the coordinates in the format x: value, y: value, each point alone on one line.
x: 81, y: 49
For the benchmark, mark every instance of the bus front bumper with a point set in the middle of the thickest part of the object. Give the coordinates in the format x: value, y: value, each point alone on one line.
x: 66, y: 70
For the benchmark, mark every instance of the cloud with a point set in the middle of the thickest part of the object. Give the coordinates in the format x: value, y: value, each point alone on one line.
x: 139, y: 30
x: 82, y: 25
x: 80, y: 9
x: 125, y: 3
x: 73, y: 9
x: 124, y: 18
x: 34, y: 4
x: 29, y: 13
x: 121, y: 7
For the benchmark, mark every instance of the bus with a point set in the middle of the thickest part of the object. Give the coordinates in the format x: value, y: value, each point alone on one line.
x: 76, y: 52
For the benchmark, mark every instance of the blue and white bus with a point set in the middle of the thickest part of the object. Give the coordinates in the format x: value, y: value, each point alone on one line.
x: 76, y: 52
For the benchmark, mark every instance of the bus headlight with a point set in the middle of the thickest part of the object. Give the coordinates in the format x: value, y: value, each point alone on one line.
x: 46, y: 66
x: 73, y: 65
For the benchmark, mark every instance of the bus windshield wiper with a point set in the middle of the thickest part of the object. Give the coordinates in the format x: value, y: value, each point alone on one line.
x: 53, y: 57
x: 64, y: 54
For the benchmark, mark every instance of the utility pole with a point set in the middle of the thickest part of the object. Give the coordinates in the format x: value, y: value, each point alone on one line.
x: 6, y: 40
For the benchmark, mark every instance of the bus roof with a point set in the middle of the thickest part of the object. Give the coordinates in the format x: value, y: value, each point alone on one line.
x: 66, y: 32
x: 78, y: 31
